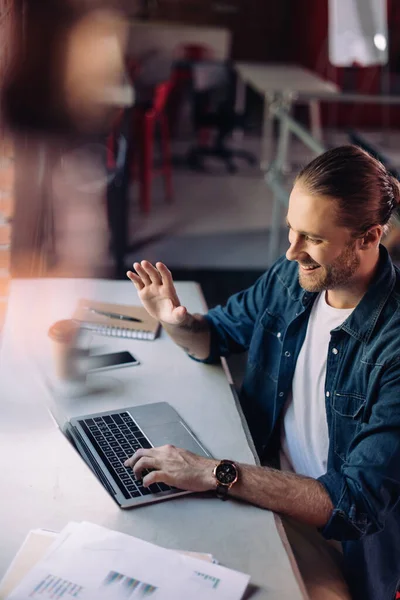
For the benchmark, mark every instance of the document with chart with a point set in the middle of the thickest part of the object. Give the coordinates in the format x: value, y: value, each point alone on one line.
x: 89, y: 562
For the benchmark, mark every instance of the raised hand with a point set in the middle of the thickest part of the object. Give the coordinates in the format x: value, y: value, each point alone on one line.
x: 157, y: 292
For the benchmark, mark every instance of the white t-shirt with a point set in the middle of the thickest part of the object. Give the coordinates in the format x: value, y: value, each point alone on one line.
x: 304, y: 434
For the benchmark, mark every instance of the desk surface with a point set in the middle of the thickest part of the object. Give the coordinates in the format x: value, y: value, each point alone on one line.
x: 46, y: 484
x: 269, y: 78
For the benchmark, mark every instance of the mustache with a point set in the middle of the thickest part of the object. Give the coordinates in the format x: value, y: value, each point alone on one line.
x: 309, y: 264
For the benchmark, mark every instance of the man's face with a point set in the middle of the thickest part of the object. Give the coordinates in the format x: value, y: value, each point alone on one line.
x: 326, y: 253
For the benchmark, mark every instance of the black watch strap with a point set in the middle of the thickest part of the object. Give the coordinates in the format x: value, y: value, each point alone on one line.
x: 222, y: 491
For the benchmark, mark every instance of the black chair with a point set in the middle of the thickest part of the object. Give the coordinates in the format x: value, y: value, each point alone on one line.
x: 224, y: 120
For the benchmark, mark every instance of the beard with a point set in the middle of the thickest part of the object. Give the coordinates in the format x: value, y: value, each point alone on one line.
x: 333, y: 276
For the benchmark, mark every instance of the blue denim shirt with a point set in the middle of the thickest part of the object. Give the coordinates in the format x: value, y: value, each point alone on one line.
x: 362, y: 400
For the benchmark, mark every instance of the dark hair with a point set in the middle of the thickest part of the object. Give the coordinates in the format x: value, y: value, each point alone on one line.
x: 365, y: 192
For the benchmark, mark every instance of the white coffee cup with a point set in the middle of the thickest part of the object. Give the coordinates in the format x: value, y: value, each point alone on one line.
x: 69, y: 363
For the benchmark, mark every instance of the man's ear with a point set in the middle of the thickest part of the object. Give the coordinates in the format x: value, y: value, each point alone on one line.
x: 371, y: 238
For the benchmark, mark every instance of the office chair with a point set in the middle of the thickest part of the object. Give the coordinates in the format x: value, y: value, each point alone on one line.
x: 223, y: 119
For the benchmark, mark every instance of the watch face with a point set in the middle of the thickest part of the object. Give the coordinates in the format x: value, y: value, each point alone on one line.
x: 226, y: 473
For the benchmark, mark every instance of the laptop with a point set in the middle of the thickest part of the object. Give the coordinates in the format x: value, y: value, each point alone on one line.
x: 106, y: 439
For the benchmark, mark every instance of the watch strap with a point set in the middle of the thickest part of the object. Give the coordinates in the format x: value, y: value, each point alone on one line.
x: 222, y: 491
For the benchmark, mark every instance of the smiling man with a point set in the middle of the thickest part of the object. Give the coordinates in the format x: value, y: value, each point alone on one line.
x: 316, y: 277
x: 321, y: 393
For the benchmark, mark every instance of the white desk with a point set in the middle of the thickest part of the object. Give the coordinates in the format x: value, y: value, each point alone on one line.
x: 282, y: 83
x: 44, y: 483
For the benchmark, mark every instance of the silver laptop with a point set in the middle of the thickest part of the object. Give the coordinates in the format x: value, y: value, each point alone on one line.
x: 106, y: 439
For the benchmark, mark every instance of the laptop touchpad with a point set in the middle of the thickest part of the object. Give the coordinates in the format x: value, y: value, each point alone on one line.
x: 173, y: 433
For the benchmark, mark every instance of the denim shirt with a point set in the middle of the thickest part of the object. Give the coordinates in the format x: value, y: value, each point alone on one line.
x: 362, y: 400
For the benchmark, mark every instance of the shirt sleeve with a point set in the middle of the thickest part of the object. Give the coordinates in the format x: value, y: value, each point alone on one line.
x: 232, y: 325
x: 367, y: 487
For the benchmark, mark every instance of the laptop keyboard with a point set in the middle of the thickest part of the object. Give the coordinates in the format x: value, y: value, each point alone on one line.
x: 115, y: 438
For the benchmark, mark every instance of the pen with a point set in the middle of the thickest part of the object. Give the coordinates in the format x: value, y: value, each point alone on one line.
x: 112, y: 315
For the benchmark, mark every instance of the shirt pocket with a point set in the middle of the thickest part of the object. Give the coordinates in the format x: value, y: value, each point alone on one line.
x: 266, y: 346
x: 347, y: 416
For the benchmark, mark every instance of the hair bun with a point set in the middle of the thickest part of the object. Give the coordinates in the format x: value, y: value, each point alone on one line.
x: 364, y: 190
x: 395, y: 185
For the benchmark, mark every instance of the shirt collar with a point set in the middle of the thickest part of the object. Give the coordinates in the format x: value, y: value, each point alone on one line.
x: 362, y: 320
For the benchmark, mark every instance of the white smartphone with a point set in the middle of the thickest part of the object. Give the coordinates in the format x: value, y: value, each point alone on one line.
x: 115, y: 360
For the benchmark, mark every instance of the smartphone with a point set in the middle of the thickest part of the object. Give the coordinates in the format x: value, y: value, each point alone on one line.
x: 115, y: 360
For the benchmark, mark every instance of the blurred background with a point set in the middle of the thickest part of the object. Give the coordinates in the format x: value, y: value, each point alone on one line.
x: 171, y: 130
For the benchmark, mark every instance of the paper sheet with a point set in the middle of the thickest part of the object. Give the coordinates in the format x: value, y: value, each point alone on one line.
x: 33, y: 549
x: 90, y: 562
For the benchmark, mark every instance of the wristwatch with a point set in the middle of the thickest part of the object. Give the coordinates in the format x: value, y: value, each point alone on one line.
x: 226, y: 473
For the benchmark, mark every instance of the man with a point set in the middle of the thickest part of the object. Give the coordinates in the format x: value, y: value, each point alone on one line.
x: 322, y: 384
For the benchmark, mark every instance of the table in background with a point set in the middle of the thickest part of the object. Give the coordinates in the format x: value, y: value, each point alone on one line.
x: 46, y: 484
x: 282, y: 83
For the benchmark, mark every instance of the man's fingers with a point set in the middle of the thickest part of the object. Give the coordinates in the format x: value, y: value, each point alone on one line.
x: 145, y: 462
x: 152, y: 272
x: 180, y: 313
x: 167, y: 280
x: 142, y: 273
x: 154, y: 477
x: 130, y: 462
x: 164, y: 272
x: 165, y: 275
x: 137, y: 282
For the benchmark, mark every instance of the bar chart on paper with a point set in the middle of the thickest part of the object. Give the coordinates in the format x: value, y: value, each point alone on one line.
x: 116, y: 585
x: 55, y: 587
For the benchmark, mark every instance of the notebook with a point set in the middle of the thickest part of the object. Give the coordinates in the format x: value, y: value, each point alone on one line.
x: 89, y: 313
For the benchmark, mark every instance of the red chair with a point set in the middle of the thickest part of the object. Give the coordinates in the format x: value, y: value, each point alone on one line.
x: 145, y: 122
